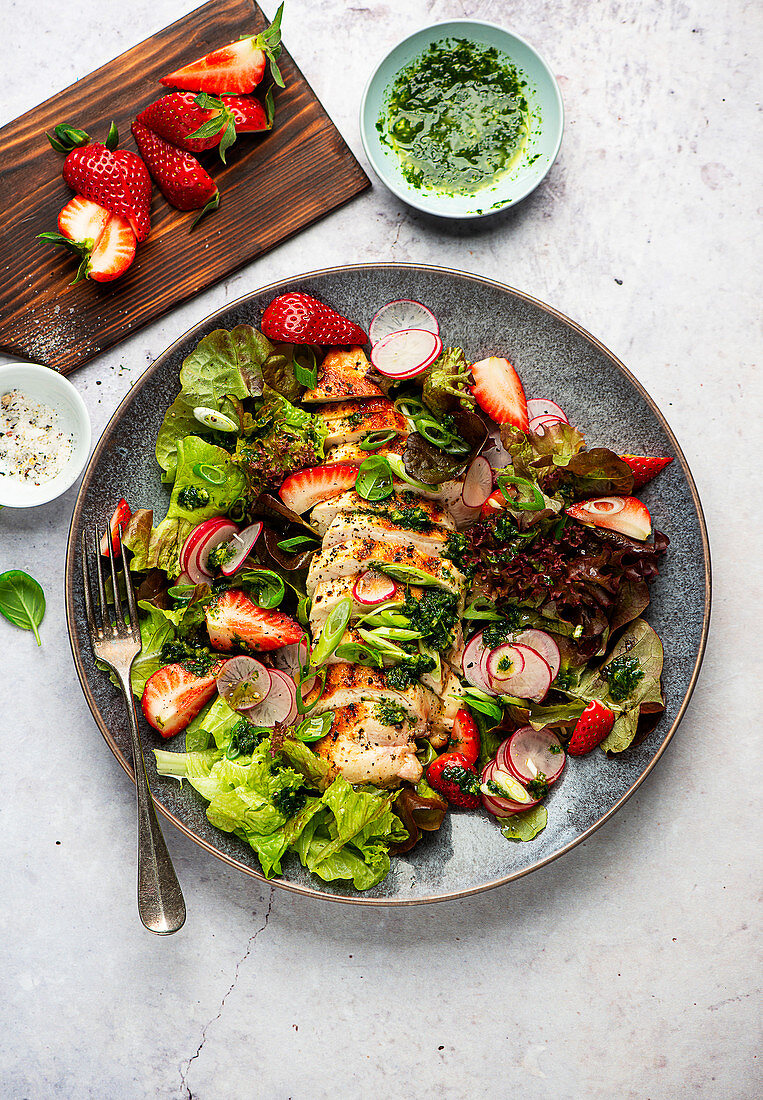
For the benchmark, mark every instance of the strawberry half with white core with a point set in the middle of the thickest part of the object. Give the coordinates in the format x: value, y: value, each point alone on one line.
x: 237, y: 67
x: 499, y: 392
x: 401, y: 314
x: 297, y: 318
x: 196, y: 122
x: 406, y: 353
x: 83, y: 221
x: 235, y: 622
x: 173, y: 697
x: 178, y: 175
x: 105, y: 251
x: 645, y: 467
x: 624, y: 514
x: 306, y: 488
x: 120, y: 518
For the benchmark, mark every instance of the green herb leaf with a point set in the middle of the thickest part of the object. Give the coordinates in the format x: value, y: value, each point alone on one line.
x: 374, y: 480
x: 112, y: 138
x: 524, y: 826
x: 306, y: 375
x: 268, y: 585
x: 296, y: 543
x: 22, y: 601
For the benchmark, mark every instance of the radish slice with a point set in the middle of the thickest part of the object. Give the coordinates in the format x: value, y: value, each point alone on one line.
x: 371, y: 588
x: 538, y: 424
x: 406, y: 353
x: 241, y: 544
x: 545, y: 645
x: 503, y: 664
x: 399, y: 315
x: 243, y: 683
x: 290, y: 658
x: 532, y: 682
x: 478, y: 483
x: 495, y: 452
x: 528, y: 753
x: 280, y: 704
x: 197, y: 565
x: 497, y: 804
x: 474, y: 651
x: 542, y: 406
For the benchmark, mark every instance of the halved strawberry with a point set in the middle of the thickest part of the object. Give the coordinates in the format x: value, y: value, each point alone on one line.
x: 235, y: 622
x: 121, y: 515
x: 624, y: 514
x: 297, y: 318
x: 593, y: 725
x: 645, y: 467
x: 237, y: 67
x: 499, y: 392
x: 82, y: 220
x: 173, y: 697
x: 307, y: 488
x: 108, y: 246
x: 495, y: 503
x: 114, y: 252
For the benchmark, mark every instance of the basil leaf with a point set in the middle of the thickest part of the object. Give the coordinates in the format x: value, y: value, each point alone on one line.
x: 374, y: 480
x: 269, y: 586
x: 22, y: 601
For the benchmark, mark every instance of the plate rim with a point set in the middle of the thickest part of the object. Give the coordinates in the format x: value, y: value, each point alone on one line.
x: 281, y: 284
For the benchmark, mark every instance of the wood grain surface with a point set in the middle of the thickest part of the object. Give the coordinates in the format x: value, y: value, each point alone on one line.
x: 273, y: 186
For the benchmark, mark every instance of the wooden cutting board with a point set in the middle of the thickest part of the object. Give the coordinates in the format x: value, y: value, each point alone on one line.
x: 273, y: 186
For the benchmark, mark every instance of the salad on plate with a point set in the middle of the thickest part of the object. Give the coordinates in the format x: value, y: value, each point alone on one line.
x: 387, y: 587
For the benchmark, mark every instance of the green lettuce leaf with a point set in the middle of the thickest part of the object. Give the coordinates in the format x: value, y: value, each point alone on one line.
x: 526, y: 825
x: 224, y: 364
x: 599, y: 472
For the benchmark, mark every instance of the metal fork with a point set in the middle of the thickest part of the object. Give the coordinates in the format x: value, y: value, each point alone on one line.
x: 117, y: 642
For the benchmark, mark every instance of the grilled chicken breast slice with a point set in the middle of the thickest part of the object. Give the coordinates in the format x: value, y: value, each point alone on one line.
x: 354, y: 453
x: 363, y: 751
x: 325, y: 513
x: 346, y: 684
x: 357, y: 555
x: 366, y: 525
x: 348, y: 421
x: 343, y: 375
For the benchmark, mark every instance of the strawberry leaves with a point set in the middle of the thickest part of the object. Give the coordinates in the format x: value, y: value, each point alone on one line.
x: 65, y: 137
x: 222, y: 120
x: 269, y: 41
x: 81, y: 249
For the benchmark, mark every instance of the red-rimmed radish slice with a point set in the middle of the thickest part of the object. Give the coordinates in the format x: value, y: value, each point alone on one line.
x: 531, y: 682
x: 197, y: 565
x: 199, y: 535
x: 538, y: 424
x: 545, y: 645
x: 371, y: 588
x: 183, y: 579
x: 499, y: 805
x: 280, y: 704
x: 528, y: 753
x: 241, y: 544
x: 543, y: 406
x: 495, y: 452
x: 503, y: 664
x: 243, y: 682
x: 404, y: 313
x: 624, y: 514
x: 478, y: 483
x: 406, y: 353
x: 290, y: 658
x: 471, y: 662
x: 301, y: 491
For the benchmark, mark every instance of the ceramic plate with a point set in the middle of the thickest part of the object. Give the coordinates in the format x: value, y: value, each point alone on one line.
x: 555, y: 358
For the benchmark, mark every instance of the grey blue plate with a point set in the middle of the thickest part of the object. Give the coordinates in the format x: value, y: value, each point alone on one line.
x: 555, y: 358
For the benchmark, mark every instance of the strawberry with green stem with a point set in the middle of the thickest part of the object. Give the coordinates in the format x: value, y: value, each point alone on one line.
x: 196, y: 123
x: 103, y: 242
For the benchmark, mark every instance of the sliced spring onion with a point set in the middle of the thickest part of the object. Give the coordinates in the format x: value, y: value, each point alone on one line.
x: 358, y: 654
x: 296, y: 543
x: 313, y: 729
x: 301, y: 706
x: 211, y: 418
x: 374, y: 480
x: 409, y: 407
x: 433, y: 432
x: 535, y: 503
x: 303, y: 609
x: 182, y: 593
x: 482, y: 609
x: 372, y: 441
x: 215, y: 475
x: 407, y: 574
x: 395, y: 463
x: 389, y: 649
x: 332, y: 633
x: 396, y: 634
x: 485, y: 704
x: 306, y: 375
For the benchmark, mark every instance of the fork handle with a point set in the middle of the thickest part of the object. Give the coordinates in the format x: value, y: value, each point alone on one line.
x: 160, y: 900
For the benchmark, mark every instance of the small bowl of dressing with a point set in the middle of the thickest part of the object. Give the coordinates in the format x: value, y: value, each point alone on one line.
x: 44, y: 435
x: 462, y: 119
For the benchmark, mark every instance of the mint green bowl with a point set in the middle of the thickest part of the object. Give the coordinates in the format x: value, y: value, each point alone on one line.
x: 546, y: 122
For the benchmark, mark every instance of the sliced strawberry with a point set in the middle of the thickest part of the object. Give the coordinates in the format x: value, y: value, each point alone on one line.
x: 593, y: 725
x: 624, y: 514
x: 306, y: 488
x: 178, y: 175
x: 196, y: 122
x: 465, y: 738
x: 114, y: 252
x: 121, y: 515
x: 301, y: 319
x: 173, y: 697
x: 234, y: 622
x: 645, y: 467
x: 499, y: 392
x: 83, y: 221
x: 237, y: 67
x: 102, y: 259
x: 495, y: 503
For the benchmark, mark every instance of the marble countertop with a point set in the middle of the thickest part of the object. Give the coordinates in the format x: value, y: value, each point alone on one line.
x: 625, y: 969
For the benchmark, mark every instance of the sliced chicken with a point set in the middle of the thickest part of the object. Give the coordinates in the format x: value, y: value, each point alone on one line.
x: 342, y: 375
x: 346, y: 526
x: 348, y: 421
x: 325, y: 513
x: 364, y: 749
x: 326, y: 597
x: 449, y: 702
x: 346, y: 684
x: 353, y: 452
x: 357, y: 555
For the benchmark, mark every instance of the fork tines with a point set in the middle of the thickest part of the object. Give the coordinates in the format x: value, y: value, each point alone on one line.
x: 111, y: 626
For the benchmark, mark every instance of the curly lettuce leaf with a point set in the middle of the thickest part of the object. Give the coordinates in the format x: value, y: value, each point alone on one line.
x: 598, y: 472
x: 447, y: 382
x: 223, y: 365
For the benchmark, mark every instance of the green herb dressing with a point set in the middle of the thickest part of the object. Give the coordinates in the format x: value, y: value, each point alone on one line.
x: 457, y: 117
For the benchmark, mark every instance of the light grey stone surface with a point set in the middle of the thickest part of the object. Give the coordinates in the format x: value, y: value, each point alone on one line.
x: 628, y: 969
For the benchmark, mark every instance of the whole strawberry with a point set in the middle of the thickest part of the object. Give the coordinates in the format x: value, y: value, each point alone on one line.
x: 452, y: 776
x: 196, y: 122
x: 114, y: 179
x: 178, y: 175
x: 593, y: 725
x: 645, y: 467
x: 297, y: 318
